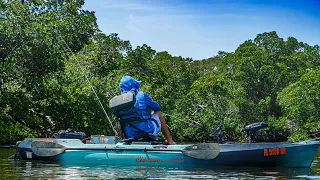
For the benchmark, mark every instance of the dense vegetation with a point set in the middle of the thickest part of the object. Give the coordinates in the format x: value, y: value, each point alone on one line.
x: 44, y: 44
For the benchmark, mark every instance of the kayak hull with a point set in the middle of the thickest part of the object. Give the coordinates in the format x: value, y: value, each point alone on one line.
x: 240, y: 154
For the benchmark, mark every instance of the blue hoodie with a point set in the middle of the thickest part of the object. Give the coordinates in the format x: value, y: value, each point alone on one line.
x: 142, y: 102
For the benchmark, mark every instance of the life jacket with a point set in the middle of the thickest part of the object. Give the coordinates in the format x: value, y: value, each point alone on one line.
x: 123, y: 107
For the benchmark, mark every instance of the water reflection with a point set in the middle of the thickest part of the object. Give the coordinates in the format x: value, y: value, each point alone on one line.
x: 56, y: 171
x: 45, y: 170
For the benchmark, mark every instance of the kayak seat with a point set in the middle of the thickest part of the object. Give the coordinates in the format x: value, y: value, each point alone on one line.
x: 123, y: 108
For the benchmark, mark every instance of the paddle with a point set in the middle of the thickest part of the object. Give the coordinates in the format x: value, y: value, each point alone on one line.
x: 204, y: 151
x: 47, y: 148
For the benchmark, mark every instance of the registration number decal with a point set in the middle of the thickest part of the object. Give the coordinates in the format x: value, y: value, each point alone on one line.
x: 29, y: 155
x: 274, y: 151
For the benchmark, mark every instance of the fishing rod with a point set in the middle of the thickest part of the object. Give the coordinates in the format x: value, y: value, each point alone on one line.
x: 87, y: 79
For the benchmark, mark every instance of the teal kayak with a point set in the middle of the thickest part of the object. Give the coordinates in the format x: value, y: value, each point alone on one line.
x: 203, y: 155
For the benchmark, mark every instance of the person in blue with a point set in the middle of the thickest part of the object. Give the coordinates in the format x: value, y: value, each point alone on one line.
x: 151, y: 123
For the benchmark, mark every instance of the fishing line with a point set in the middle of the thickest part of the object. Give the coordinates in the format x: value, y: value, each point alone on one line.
x: 182, y: 120
x: 199, y: 107
x: 88, y: 81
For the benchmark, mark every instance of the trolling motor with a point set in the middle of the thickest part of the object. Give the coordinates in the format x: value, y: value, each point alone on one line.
x: 252, y: 129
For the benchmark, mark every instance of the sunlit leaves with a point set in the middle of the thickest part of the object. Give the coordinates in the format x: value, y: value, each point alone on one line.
x: 301, y: 103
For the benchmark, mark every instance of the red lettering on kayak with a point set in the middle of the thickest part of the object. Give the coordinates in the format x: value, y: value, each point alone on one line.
x: 153, y: 160
x: 274, y: 151
x: 140, y: 159
x: 283, y: 150
x: 176, y: 159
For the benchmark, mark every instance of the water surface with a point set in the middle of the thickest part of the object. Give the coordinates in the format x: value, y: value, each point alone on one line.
x: 43, y: 170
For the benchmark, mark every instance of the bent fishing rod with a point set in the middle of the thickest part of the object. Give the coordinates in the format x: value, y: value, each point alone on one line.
x: 87, y: 79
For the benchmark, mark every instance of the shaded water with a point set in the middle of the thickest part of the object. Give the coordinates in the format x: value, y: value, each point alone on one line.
x: 43, y: 170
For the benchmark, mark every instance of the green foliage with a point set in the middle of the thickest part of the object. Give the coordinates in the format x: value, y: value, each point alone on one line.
x: 137, y: 62
x: 11, y: 130
x: 33, y: 51
x: 32, y: 32
x: 301, y: 104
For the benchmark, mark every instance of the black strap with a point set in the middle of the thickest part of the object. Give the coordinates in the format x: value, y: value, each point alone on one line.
x: 155, y: 121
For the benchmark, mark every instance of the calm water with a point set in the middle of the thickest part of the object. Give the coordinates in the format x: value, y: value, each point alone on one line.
x: 39, y: 170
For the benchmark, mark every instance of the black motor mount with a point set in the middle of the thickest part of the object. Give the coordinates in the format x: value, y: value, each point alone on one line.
x: 217, y: 133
